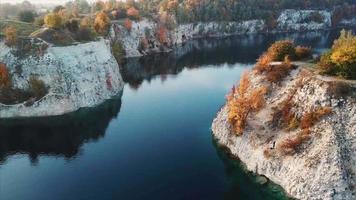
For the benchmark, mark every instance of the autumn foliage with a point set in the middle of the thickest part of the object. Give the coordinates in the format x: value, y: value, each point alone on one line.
x: 11, y: 36
x: 128, y: 24
x: 341, y: 59
x: 289, y: 146
x: 133, y: 13
x: 310, y: 118
x: 5, y: 80
x: 241, y: 102
x: 273, y: 72
x: 162, y: 34
x: 101, y: 22
x: 302, y: 52
x: 53, y: 20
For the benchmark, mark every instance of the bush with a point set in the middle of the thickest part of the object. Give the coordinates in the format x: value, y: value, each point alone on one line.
x: 37, y: 88
x: 27, y: 16
x: 85, y: 34
x: 162, y: 34
x: 290, y: 146
x: 11, y: 36
x: 72, y: 25
x: 280, y: 49
x: 303, y: 52
x: 101, y: 22
x: 5, y: 80
x: 240, y: 103
x: 283, y: 50
x: 133, y: 13
x: 310, y: 118
x: 341, y: 59
x: 119, y: 52
x: 273, y: 73
x: 39, y: 21
x: 53, y: 20
x: 128, y: 24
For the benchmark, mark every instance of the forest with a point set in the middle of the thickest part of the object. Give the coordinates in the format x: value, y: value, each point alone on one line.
x: 185, y: 11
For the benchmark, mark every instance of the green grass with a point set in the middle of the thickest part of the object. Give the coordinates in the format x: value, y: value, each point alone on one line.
x: 23, y: 28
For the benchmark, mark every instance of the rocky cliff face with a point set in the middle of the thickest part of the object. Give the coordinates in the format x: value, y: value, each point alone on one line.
x: 303, y: 20
x: 324, y: 166
x: 146, y: 29
x: 77, y: 76
x: 288, y: 21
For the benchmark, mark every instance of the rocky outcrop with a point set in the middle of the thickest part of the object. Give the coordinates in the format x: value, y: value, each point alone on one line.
x: 323, y: 167
x: 303, y: 20
x: 142, y: 38
x: 348, y: 22
x: 77, y: 76
x: 147, y: 30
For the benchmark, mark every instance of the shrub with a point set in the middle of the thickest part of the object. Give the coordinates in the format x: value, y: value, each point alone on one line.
x: 133, y: 13
x: 119, y: 52
x: 143, y: 44
x: 240, y: 103
x: 273, y: 73
x: 72, y: 25
x: 39, y: 21
x: 27, y: 16
x: 280, y: 49
x: 86, y: 22
x: 101, y: 22
x: 5, y: 80
x: 37, y: 88
x: 290, y: 146
x: 85, y: 34
x: 341, y: 59
x: 53, y: 20
x: 162, y: 34
x: 303, y: 52
x: 128, y: 24
x: 310, y: 118
x: 11, y: 36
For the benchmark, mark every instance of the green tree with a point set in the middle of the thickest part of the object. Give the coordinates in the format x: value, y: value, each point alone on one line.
x: 27, y: 16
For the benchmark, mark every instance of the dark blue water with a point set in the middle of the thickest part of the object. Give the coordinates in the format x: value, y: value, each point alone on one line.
x: 153, y: 142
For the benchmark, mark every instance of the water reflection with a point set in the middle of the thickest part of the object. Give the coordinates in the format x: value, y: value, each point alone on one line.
x: 214, y: 52
x: 244, y: 184
x: 60, y: 136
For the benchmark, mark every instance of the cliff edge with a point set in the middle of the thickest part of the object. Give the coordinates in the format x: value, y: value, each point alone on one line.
x: 313, y: 156
x: 75, y: 76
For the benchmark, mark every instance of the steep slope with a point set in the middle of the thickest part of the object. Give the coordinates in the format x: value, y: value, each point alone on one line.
x: 317, y: 164
x: 77, y: 76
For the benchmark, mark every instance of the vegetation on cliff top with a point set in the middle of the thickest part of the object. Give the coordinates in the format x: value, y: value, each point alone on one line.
x: 340, y: 60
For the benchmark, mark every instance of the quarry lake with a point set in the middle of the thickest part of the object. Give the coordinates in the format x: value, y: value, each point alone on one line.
x: 151, y: 142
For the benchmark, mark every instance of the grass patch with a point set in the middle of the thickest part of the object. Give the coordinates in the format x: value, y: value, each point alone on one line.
x: 23, y: 28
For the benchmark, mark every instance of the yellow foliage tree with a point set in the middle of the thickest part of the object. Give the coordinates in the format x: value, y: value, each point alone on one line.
x: 11, y: 36
x: 53, y: 20
x: 101, y: 22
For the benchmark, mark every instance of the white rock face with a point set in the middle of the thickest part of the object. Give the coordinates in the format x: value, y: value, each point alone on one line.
x: 324, y: 167
x: 302, y: 20
x: 182, y: 33
x: 289, y: 20
x: 348, y: 22
x: 81, y: 75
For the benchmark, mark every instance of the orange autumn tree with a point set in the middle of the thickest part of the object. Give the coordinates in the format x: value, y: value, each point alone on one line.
x: 101, y: 22
x: 241, y: 102
x: 133, y: 13
x: 5, y: 81
x: 162, y: 34
x: 11, y: 35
